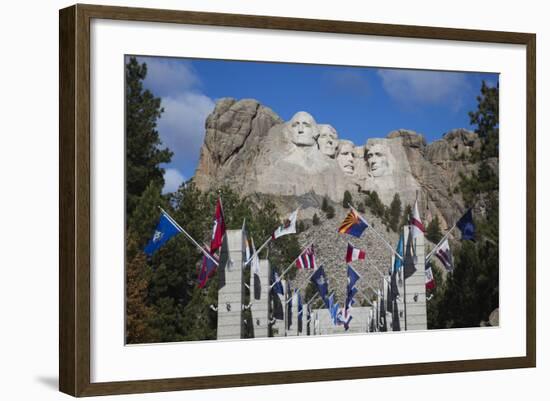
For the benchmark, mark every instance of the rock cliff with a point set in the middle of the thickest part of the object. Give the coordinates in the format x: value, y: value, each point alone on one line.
x: 250, y: 148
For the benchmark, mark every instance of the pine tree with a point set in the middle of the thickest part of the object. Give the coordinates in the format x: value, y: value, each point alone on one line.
x: 138, y: 312
x: 324, y: 205
x: 346, y: 203
x: 143, y: 152
x: 316, y: 220
x: 486, y: 118
x: 395, y: 212
x: 433, y: 231
x: 407, y: 212
x: 330, y: 212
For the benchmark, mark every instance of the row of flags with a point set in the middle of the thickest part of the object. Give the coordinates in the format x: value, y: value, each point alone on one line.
x: 354, y: 224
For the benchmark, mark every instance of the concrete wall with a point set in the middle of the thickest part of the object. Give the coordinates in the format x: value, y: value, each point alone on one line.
x: 416, y: 318
x: 357, y: 325
x: 259, y: 299
x: 230, y: 293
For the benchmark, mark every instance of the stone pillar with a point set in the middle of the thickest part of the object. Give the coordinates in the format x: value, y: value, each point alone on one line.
x: 415, y: 291
x: 230, y: 290
x: 259, y: 299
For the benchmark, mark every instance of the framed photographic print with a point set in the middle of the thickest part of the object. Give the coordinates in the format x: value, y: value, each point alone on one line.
x: 354, y: 197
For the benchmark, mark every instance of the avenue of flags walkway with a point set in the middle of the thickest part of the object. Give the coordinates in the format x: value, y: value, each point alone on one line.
x: 354, y: 225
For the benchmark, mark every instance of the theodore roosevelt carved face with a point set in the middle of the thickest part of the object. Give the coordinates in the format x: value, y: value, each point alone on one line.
x: 302, y: 129
x: 346, y: 157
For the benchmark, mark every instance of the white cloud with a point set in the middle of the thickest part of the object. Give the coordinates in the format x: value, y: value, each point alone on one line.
x: 429, y: 87
x: 168, y: 77
x: 172, y: 180
x: 182, y: 125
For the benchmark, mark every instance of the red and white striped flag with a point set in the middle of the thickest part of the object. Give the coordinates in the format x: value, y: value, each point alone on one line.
x: 354, y: 253
x: 430, y: 281
x: 444, y: 254
x: 416, y: 224
x: 307, y: 259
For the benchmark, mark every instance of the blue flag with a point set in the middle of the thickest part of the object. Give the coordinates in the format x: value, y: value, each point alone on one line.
x: 466, y: 226
x: 398, y: 263
x: 320, y: 280
x: 165, y: 230
x: 353, y: 277
x: 277, y: 285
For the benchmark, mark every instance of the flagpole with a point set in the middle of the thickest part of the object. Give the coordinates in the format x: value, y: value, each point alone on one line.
x: 290, y: 265
x: 377, y: 269
x: 207, y: 254
x: 312, y: 298
x: 430, y: 254
x: 379, y: 236
x: 257, y: 251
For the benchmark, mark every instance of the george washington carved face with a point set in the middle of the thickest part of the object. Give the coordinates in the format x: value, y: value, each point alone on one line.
x: 302, y: 129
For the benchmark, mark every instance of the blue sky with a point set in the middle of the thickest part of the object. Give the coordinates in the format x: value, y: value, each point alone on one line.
x: 359, y: 102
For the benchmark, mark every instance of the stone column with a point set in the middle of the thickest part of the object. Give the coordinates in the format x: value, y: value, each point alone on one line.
x: 259, y: 299
x: 230, y: 290
x: 415, y: 291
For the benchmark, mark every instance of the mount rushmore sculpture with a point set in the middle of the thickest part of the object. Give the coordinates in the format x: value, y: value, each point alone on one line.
x: 250, y: 148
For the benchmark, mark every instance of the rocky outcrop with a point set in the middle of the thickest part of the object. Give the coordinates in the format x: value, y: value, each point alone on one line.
x: 234, y: 134
x: 249, y: 147
x: 330, y: 248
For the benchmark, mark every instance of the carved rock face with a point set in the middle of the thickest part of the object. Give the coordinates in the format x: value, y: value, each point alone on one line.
x: 302, y: 129
x: 328, y: 140
x: 377, y: 160
x: 346, y: 157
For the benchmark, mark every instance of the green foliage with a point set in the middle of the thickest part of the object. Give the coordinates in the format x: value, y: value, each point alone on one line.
x: 481, y: 182
x: 390, y: 216
x: 347, y: 200
x: 486, y: 120
x: 316, y: 220
x: 330, y: 212
x: 324, y: 205
x: 433, y: 231
x: 407, y: 212
x: 373, y: 202
x: 432, y: 307
x: 167, y: 303
x: 143, y: 152
x: 394, y: 213
x: 471, y: 291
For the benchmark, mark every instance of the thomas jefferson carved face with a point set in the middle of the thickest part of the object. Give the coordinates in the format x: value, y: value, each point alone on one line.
x: 328, y: 140
x: 302, y: 129
x: 346, y: 157
x: 377, y: 160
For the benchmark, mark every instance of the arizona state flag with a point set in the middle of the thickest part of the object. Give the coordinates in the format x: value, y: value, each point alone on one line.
x: 218, y: 231
x: 353, y: 224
